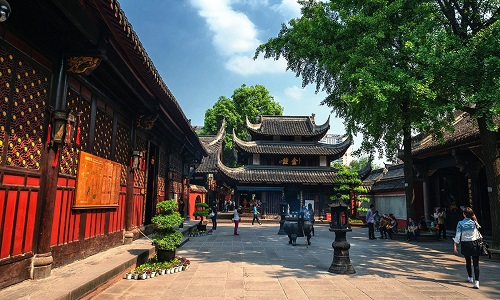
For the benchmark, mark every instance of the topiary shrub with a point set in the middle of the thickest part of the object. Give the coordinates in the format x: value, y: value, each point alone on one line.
x: 166, y: 237
x: 201, y: 211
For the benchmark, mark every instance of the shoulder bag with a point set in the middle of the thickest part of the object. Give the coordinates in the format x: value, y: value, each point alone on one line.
x: 484, y: 247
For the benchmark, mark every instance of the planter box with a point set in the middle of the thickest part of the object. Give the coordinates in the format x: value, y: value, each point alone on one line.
x: 165, y: 255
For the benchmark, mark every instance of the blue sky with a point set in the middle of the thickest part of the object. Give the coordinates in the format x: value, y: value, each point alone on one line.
x: 204, y: 49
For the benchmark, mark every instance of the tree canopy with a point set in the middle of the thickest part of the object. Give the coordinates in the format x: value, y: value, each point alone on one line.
x: 394, y: 67
x: 464, y: 56
x: 245, y: 102
x: 348, y: 184
x: 365, y: 54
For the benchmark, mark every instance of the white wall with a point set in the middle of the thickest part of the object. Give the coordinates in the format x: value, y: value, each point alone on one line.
x: 391, y: 204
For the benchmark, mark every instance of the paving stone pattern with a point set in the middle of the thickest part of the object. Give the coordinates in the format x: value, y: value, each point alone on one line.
x: 259, y: 264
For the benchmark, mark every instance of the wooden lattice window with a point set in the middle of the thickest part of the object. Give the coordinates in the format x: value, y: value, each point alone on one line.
x: 24, y: 91
x: 122, y: 154
x: 69, y: 154
x: 103, y: 134
x: 141, y: 144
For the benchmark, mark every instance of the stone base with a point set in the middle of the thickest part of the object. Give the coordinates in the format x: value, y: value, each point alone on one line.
x: 341, y: 269
x: 42, y: 266
x: 128, y: 237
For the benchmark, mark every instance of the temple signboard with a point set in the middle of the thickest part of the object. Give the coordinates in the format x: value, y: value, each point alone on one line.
x: 98, y: 182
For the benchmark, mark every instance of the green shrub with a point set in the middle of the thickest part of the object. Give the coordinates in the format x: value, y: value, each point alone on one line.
x: 201, y: 210
x: 166, y: 237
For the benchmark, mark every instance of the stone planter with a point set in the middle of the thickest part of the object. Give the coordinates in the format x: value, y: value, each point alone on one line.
x: 165, y: 255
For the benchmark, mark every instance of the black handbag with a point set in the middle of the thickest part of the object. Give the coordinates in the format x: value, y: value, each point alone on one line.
x: 485, y: 251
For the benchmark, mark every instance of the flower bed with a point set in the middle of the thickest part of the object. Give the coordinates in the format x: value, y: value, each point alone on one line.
x: 153, y: 268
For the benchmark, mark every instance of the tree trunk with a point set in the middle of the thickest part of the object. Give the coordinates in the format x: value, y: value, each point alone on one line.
x: 408, y: 170
x: 489, y: 143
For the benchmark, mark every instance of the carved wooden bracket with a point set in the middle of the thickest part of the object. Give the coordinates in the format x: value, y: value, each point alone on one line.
x: 82, y: 64
x: 146, y: 122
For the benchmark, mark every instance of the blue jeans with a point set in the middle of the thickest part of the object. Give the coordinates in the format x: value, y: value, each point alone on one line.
x: 413, y: 234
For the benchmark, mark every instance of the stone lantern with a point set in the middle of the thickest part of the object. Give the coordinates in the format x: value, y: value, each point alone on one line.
x: 283, y: 213
x: 341, y: 263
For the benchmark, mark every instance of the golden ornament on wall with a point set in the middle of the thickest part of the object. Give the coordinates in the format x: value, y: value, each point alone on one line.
x: 82, y: 64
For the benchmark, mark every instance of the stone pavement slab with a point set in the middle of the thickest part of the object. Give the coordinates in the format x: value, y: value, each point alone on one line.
x: 260, y: 264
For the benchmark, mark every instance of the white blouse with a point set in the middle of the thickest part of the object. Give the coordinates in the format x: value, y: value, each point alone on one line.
x: 467, y: 230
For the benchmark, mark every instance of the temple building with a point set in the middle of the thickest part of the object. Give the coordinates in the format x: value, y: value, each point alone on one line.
x: 205, y: 174
x: 448, y: 174
x: 283, y: 158
x: 91, y: 137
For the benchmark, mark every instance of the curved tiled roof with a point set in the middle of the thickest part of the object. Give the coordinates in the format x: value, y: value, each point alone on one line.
x: 291, y: 148
x: 212, y: 145
x: 466, y: 131
x: 278, y: 174
x: 392, y: 180
x: 288, y: 126
x: 197, y: 188
x: 126, y: 41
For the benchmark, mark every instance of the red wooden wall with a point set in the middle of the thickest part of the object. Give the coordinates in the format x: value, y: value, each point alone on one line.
x: 18, y: 206
x: 93, y: 222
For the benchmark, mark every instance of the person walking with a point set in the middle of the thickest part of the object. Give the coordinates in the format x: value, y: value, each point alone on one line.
x: 441, y: 221
x: 214, y: 217
x: 236, y: 219
x: 469, y: 238
x: 309, y: 214
x: 255, y: 215
x: 371, y: 222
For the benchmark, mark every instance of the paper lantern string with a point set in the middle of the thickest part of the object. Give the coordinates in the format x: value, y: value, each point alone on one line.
x: 56, y: 157
x: 49, y: 128
x: 67, y: 140
x: 77, y: 140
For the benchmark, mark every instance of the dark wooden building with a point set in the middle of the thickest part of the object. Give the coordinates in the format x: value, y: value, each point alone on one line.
x: 450, y: 173
x: 91, y: 138
x: 284, y: 158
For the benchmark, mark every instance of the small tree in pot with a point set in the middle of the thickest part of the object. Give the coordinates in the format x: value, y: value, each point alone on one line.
x: 202, y: 212
x: 166, y: 237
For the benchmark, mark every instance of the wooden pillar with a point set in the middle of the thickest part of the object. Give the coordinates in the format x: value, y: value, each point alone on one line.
x: 42, y: 261
x: 129, y: 200
x: 129, y: 208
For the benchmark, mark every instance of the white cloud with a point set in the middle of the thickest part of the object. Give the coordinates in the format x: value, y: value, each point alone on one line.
x: 295, y: 93
x: 245, y: 65
x: 233, y: 32
x: 235, y: 35
x: 289, y: 9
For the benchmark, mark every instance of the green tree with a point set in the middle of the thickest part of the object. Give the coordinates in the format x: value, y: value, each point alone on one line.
x: 464, y: 57
x: 359, y: 164
x: 348, y: 184
x: 364, y: 54
x: 246, y: 102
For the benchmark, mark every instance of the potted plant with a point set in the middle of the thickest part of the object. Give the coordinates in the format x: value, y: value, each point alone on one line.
x: 166, y: 237
x: 202, y: 212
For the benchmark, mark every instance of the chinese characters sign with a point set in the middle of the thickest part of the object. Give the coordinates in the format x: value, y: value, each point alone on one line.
x: 98, y: 182
x: 294, y: 161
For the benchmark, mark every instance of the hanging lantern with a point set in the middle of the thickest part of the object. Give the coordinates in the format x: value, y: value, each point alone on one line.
x: 59, y: 121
